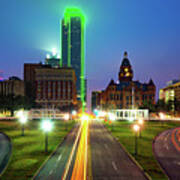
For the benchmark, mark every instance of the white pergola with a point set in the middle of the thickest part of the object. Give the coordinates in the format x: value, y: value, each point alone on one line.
x: 130, y: 114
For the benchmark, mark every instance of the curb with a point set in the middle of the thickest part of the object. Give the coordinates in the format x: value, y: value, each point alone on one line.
x: 147, y: 176
x: 10, y: 155
x: 52, y: 153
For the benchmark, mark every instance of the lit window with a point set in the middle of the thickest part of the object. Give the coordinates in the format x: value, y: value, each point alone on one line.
x: 126, y: 69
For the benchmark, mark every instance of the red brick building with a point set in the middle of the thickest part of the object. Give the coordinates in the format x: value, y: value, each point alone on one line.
x: 50, y: 87
x: 55, y: 87
x: 127, y: 93
x: 29, y: 79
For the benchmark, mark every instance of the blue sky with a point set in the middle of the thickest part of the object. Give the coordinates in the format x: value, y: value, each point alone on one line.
x: 148, y: 30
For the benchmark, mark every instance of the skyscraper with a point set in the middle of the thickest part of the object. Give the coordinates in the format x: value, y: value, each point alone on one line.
x: 73, y: 55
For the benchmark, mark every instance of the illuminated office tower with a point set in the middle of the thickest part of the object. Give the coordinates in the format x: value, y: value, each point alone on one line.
x: 73, y: 55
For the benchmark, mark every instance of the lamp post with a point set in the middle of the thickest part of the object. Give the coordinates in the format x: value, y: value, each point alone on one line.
x: 66, y: 118
x: 22, y: 116
x: 162, y: 117
x: 112, y: 118
x: 47, y: 127
x: 136, y: 129
x: 73, y: 115
x: 140, y: 122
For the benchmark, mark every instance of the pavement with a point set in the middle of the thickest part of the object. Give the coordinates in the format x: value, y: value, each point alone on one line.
x: 109, y: 160
x: 5, y: 151
x: 56, y: 165
x: 167, y: 151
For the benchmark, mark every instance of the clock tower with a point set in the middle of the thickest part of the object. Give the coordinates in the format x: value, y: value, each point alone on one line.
x: 126, y: 72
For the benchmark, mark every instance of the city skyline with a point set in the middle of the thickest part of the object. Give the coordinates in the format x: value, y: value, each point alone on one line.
x: 149, y: 31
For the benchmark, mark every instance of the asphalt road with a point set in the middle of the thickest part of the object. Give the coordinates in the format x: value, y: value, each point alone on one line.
x: 167, y: 151
x: 54, y: 168
x: 5, y: 151
x: 109, y: 160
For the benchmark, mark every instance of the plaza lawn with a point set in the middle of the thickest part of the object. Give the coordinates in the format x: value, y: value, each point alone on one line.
x: 123, y: 131
x: 28, y: 151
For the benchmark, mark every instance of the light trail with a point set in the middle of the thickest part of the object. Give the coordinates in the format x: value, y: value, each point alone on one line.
x: 80, y: 166
x: 71, y: 155
x: 173, y: 138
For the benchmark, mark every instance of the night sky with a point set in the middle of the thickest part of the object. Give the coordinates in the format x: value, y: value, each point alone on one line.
x: 149, y: 30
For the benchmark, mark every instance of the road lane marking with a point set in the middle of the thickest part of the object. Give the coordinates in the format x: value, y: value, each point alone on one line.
x: 59, y: 158
x: 51, y: 172
x: 114, y: 166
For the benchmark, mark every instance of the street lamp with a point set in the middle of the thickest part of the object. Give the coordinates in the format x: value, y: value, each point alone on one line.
x: 66, y: 118
x: 46, y: 127
x: 22, y: 116
x: 162, y: 117
x: 140, y: 122
x: 136, y: 128
x: 74, y: 113
x: 112, y: 118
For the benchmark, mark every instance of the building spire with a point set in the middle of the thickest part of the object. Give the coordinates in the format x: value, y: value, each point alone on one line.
x: 125, y: 54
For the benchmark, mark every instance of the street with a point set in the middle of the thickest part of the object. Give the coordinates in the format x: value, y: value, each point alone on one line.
x: 5, y: 151
x: 109, y: 160
x: 167, y: 151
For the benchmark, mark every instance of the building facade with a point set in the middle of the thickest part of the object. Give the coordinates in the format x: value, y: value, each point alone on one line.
x: 13, y: 86
x: 73, y: 53
x: 95, y: 100
x: 29, y: 79
x: 55, y: 87
x: 53, y: 60
x: 127, y: 94
x: 171, y: 92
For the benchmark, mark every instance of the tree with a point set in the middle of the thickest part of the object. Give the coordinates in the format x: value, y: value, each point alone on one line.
x: 161, y: 105
x: 12, y: 103
x: 177, y: 105
x: 148, y: 105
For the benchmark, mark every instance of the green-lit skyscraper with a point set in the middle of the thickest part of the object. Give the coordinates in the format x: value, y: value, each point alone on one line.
x: 73, y: 51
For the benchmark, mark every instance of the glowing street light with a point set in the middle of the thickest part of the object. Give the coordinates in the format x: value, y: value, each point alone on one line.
x: 162, y: 117
x: 66, y: 117
x: 74, y: 113
x: 46, y: 127
x: 136, y: 129
x: 22, y: 116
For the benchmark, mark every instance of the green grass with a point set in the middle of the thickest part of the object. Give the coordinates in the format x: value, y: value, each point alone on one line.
x: 122, y: 130
x: 28, y: 151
